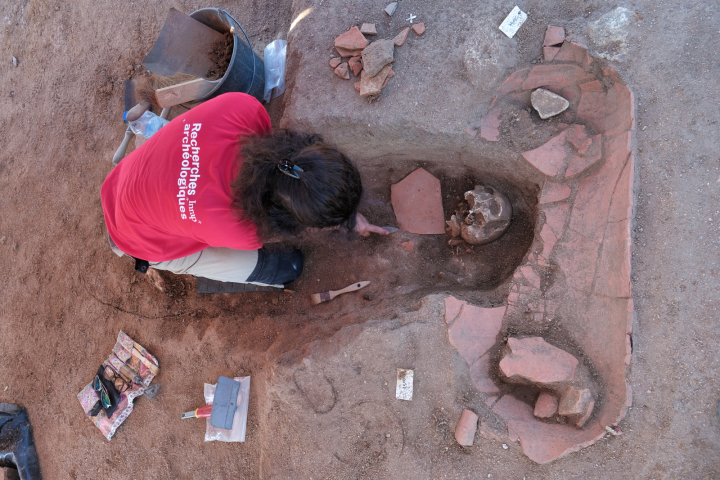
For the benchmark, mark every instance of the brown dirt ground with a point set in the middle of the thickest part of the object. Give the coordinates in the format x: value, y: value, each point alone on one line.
x: 65, y: 295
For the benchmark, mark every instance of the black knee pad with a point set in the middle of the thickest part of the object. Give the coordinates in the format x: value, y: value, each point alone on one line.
x: 277, y: 266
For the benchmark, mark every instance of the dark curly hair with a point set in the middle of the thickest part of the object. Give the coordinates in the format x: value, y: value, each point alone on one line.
x: 327, y: 193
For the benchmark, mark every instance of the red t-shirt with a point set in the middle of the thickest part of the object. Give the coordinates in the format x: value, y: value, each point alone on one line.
x: 171, y: 197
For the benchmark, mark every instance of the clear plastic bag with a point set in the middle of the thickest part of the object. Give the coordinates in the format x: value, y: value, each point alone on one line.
x: 237, y: 433
x: 275, y: 69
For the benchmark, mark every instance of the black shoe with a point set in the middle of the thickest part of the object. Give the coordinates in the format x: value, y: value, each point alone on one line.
x: 17, y: 448
x: 277, y: 266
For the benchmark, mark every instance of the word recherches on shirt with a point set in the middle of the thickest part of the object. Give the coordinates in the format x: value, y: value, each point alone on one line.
x: 189, y: 171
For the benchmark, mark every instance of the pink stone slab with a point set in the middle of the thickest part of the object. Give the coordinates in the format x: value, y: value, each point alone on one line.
x: 558, y: 75
x: 466, y: 428
x: 592, y: 292
x: 579, y: 163
x: 417, y: 203
x: 592, y: 202
x: 480, y: 375
x: 353, y: 39
x: 475, y: 331
x: 555, y: 217
x: 530, y: 275
x: 554, y: 192
x: 553, y: 36
x: 543, y: 442
x: 550, y: 157
x: 546, y: 405
x: 514, y: 81
x: 573, y: 52
x: 613, y: 275
x: 578, y: 137
x: 532, y: 360
x: 549, y: 53
x: 610, y: 112
x: 453, y: 306
x: 490, y: 125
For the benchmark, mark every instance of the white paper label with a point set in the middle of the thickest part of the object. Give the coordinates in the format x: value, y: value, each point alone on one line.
x: 513, y: 22
x: 404, y: 388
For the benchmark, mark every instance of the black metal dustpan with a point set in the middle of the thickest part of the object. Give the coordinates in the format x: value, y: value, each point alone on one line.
x: 182, y: 47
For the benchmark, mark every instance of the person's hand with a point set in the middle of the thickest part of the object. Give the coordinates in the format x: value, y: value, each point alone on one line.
x: 365, y: 228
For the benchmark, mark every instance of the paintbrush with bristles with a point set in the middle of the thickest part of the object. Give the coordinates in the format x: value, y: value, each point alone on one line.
x: 327, y: 296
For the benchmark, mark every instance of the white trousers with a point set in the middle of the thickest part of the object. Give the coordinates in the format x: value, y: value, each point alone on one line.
x: 216, y: 263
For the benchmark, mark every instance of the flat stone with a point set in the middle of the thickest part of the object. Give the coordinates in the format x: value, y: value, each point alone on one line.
x: 623, y: 199
x: 390, y: 75
x: 610, y: 112
x: 595, y: 191
x: 377, y: 55
x: 574, y: 401
x: 466, y: 428
x: 577, y: 164
x: 582, y: 420
x: 490, y: 125
x: 475, y: 330
x: 573, y: 52
x: 549, y: 53
x: 579, y: 138
x: 334, y: 62
x: 480, y: 375
x: 530, y: 275
x: 613, y: 274
x: 554, y: 36
x: 417, y: 201
x: 534, y: 361
x: 390, y: 9
x: 345, y: 53
x: 541, y: 441
x: 373, y: 85
x: 401, y: 37
x: 555, y: 217
x: 408, y: 246
x: 353, y: 39
x: 419, y: 28
x: 550, y: 157
x: 555, y: 75
x: 342, y: 71
x: 368, y: 29
x: 554, y: 192
x: 546, y: 405
x: 547, y: 103
x: 453, y: 306
x: 355, y: 65
x: 577, y: 258
x: 514, y: 81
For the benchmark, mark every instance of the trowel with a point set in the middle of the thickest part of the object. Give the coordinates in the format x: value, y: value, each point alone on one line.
x: 390, y: 229
x: 222, y: 410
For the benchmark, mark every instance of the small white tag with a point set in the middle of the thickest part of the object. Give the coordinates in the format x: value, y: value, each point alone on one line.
x: 513, y: 22
x: 404, y: 388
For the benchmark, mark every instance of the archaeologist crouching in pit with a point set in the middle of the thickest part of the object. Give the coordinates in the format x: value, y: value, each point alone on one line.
x: 200, y: 196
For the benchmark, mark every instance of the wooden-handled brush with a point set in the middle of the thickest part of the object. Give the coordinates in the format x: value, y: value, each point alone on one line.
x: 327, y: 296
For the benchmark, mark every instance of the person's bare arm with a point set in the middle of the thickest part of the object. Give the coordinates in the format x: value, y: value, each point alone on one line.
x: 365, y: 228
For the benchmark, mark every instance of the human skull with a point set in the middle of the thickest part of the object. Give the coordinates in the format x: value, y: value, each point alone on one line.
x: 488, y: 217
